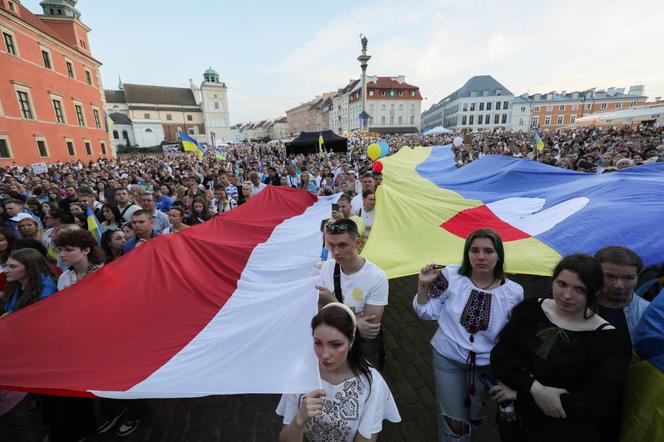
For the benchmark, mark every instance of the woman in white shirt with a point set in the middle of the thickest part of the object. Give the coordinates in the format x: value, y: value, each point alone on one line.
x: 354, y: 400
x: 472, y: 305
x: 80, y: 254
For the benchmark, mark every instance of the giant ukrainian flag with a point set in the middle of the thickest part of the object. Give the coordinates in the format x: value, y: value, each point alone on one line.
x: 426, y: 207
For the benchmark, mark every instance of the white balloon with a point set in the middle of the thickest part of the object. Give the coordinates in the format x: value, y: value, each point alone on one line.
x: 458, y: 141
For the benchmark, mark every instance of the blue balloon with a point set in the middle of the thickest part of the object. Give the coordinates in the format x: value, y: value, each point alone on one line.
x: 384, y: 148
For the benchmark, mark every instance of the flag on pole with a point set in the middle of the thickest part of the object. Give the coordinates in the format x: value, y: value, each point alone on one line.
x: 191, y: 145
x: 94, y: 226
x: 224, y: 307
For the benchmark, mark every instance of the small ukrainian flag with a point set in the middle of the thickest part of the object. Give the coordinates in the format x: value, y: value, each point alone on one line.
x: 190, y: 145
x: 94, y: 226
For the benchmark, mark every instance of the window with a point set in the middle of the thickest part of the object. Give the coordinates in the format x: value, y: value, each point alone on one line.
x: 116, y: 136
x: 536, y: 109
x: 400, y: 106
x: 47, y: 59
x: 560, y: 119
x: 471, y: 120
x: 12, y: 6
x: 5, y: 152
x: 504, y: 119
x: 190, y: 118
x: 547, y: 120
x: 146, y: 116
x: 57, y: 109
x: 506, y: 104
x: 561, y: 108
x: 9, y: 43
x: 24, y: 104
x: 632, y: 103
x: 535, y: 122
x: 520, y: 121
x: 148, y: 130
x: 70, y: 148
x: 482, y: 107
x: 496, y: 119
x: 216, y: 105
x: 79, y: 115
x: 95, y: 113
x: 463, y: 120
x: 572, y: 119
x: 575, y: 107
x: 41, y: 147
x: 604, y: 105
x: 549, y: 108
x: 412, y: 92
x: 589, y: 106
x: 488, y: 106
x: 88, y: 148
x: 382, y: 120
x: 472, y: 106
x: 619, y: 105
x: 103, y: 148
x: 125, y: 136
x: 169, y: 117
x: 383, y: 93
x: 88, y: 77
x: 70, y: 68
x: 480, y: 119
x: 465, y: 107
x: 371, y: 92
x: 383, y: 107
x: 412, y: 119
x: 391, y: 119
x: 401, y: 93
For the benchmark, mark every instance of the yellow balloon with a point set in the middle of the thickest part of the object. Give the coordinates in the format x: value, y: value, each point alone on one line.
x: 373, y: 151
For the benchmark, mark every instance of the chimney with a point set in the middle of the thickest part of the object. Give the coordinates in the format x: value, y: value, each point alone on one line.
x: 637, y: 90
x: 611, y: 91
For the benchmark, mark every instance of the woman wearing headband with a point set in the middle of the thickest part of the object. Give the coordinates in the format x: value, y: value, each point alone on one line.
x: 354, y: 399
x: 471, y: 304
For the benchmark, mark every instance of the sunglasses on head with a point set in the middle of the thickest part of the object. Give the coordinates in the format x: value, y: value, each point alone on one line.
x: 339, y: 228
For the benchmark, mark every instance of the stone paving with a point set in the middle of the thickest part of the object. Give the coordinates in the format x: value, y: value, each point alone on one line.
x: 252, y: 418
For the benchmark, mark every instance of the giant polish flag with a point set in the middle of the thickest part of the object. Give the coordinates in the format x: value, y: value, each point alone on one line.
x: 221, y: 308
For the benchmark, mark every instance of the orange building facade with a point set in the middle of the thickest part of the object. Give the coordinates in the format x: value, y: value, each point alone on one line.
x: 51, y: 96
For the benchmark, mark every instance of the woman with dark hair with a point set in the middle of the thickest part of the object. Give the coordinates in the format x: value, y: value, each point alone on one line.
x: 7, y: 240
x: 112, y: 243
x: 29, y: 279
x: 81, y: 220
x: 471, y: 304
x: 176, y: 218
x: 200, y: 211
x: 111, y: 216
x: 561, y: 362
x: 354, y: 400
x: 79, y: 252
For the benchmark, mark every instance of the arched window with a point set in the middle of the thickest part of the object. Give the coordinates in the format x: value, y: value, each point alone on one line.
x: 115, y: 135
x: 125, y: 135
x: 148, y: 130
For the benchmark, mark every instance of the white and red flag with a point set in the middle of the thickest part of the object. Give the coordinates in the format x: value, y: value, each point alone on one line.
x: 221, y: 308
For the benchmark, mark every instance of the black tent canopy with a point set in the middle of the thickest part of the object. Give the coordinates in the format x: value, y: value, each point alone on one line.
x: 307, y: 142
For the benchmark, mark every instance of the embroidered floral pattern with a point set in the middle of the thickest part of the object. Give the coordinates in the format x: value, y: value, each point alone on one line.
x: 334, y: 424
x: 477, y: 312
x: 438, y: 286
x: 547, y: 339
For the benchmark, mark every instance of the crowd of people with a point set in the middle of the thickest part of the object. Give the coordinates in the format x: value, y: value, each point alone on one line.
x: 544, y: 354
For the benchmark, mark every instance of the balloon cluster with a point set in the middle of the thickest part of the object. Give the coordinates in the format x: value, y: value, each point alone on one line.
x: 378, y: 150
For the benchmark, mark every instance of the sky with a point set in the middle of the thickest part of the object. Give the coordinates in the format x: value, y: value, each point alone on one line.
x: 276, y: 55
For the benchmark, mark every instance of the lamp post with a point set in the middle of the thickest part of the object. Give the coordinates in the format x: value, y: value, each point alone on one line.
x: 363, y: 59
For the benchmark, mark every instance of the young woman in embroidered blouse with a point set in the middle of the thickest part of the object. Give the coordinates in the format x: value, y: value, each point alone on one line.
x: 563, y: 364
x: 354, y: 400
x: 471, y: 304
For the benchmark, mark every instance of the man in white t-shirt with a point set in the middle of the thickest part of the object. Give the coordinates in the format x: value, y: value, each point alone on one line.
x: 363, y: 285
x: 366, y: 213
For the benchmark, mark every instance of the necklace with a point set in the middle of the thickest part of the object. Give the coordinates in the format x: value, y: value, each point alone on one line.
x: 483, y: 288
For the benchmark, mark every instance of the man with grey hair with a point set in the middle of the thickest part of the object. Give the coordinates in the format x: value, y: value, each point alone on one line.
x: 256, y: 185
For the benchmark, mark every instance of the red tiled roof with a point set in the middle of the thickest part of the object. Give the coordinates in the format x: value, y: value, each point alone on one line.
x: 389, y: 83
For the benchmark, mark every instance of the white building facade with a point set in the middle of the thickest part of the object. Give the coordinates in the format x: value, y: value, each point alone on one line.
x: 521, y: 113
x: 482, y: 103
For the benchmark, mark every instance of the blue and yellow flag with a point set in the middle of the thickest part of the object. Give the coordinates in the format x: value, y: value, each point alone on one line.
x: 219, y: 153
x: 426, y: 207
x: 191, y: 145
x: 321, y: 143
x: 94, y: 226
x: 539, y: 143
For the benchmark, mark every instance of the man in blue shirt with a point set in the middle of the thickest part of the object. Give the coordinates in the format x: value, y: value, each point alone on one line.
x: 141, y: 223
x: 162, y: 202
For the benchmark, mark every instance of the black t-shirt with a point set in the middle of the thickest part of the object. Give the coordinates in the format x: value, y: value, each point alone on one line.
x: 616, y: 317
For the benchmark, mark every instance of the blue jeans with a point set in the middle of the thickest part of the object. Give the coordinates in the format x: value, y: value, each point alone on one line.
x: 451, y: 391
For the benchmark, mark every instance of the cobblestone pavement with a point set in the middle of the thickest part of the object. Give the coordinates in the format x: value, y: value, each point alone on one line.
x: 252, y: 418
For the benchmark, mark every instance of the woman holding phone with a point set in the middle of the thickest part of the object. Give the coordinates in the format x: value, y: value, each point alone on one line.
x: 471, y: 303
